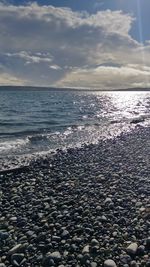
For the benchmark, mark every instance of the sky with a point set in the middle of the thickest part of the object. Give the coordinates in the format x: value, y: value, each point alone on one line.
x: 93, y: 44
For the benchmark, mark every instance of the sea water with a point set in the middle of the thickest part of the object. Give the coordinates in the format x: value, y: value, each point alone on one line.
x: 36, y: 122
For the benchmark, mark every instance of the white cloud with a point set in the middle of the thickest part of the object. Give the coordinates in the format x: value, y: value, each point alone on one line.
x: 30, y: 58
x: 55, y: 67
x: 45, y: 45
x: 8, y: 79
x: 107, y: 78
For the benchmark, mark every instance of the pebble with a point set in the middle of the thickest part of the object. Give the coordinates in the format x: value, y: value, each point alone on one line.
x: 93, y: 264
x: 86, y: 249
x: 65, y: 234
x: 134, y: 264
x: 109, y: 263
x: 17, y: 259
x: 141, y: 250
x: 94, y: 242
x: 79, y: 208
x: 52, y: 257
x: 3, y: 235
x: 148, y: 242
x: 132, y: 249
x: 14, y: 249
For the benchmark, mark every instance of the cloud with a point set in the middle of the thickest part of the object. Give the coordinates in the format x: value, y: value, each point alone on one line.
x: 8, y: 79
x: 107, y: 78
x: 30, y: 58
x: 45, y: 45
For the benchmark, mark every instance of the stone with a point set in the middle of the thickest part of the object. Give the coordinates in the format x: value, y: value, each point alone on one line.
x: 148, y: 243
x: 54, y: 256
x: 17, y: 259
x: 141, y: 250
x: 132, y: 249
x: 65, y: 234
x: 109, y: 263
x: 108, y: 200
x: 3, y: 235
x: 125, y: 258
x: 86, y: 249
x: 14, y: 249
x: 94, y: 242
x: 93, y: 264
x: 133, y: 264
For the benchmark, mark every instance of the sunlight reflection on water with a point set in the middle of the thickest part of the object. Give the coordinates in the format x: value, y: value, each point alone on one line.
x: 51, y: 120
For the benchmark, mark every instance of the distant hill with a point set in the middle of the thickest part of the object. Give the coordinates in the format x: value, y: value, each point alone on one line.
x: 38, y: 88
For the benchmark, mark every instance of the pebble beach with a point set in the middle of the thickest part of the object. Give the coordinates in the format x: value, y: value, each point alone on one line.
x: 87, y: 206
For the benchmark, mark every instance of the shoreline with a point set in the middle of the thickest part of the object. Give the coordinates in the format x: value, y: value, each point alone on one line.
x: 79, y: 207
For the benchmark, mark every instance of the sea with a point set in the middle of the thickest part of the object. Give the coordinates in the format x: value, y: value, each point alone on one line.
x: 36, y: 123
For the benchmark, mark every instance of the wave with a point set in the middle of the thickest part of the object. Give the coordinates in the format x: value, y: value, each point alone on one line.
x: 37, y: 138
x: 11, y: 123
x: 139, y: 119
x: 40, y: 140
x: 12, y: 144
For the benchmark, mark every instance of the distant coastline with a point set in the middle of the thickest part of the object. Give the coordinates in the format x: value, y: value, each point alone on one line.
x: 39, y: 88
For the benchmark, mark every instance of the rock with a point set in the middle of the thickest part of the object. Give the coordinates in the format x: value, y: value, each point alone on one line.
x: 13, y: 219
x: 65, y: 234
x: 94, y: 242
x: 148, y: 243
x: 108, y: 200
x: 55, y: 238
x: 125, y: 258
x: 133, y: 264
x: 93, y: 264
x: 137, y: 120
x: 15, y: 249
x: 98, y: 208
x: 3, y: 235
x: 115, y: 233
x: 52, y: 257
x: 103, y: 218
x: 85, y: 258
x: 17, y: 259
x: 141, y: 250
x: 109, y: 263
x: 86, y: 249
x: 132, y: 249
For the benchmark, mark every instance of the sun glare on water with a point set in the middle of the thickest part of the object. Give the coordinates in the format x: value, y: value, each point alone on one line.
x: 129, y: 104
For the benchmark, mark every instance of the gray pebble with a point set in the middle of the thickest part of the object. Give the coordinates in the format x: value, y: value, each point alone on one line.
x: 86, y: 249
x: 132, y: 249
x: 93, y: 264
x: 55, y: 256
x: 14, y: 249
x: 133, y: 264
x: 109, y: 263
x: 94, y: 242
x: 65, y: 234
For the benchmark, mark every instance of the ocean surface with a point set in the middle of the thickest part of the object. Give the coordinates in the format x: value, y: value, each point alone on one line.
x: 34, y: 123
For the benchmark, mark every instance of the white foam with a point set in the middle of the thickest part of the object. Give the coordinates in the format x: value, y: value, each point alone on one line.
x: 13, y: 144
